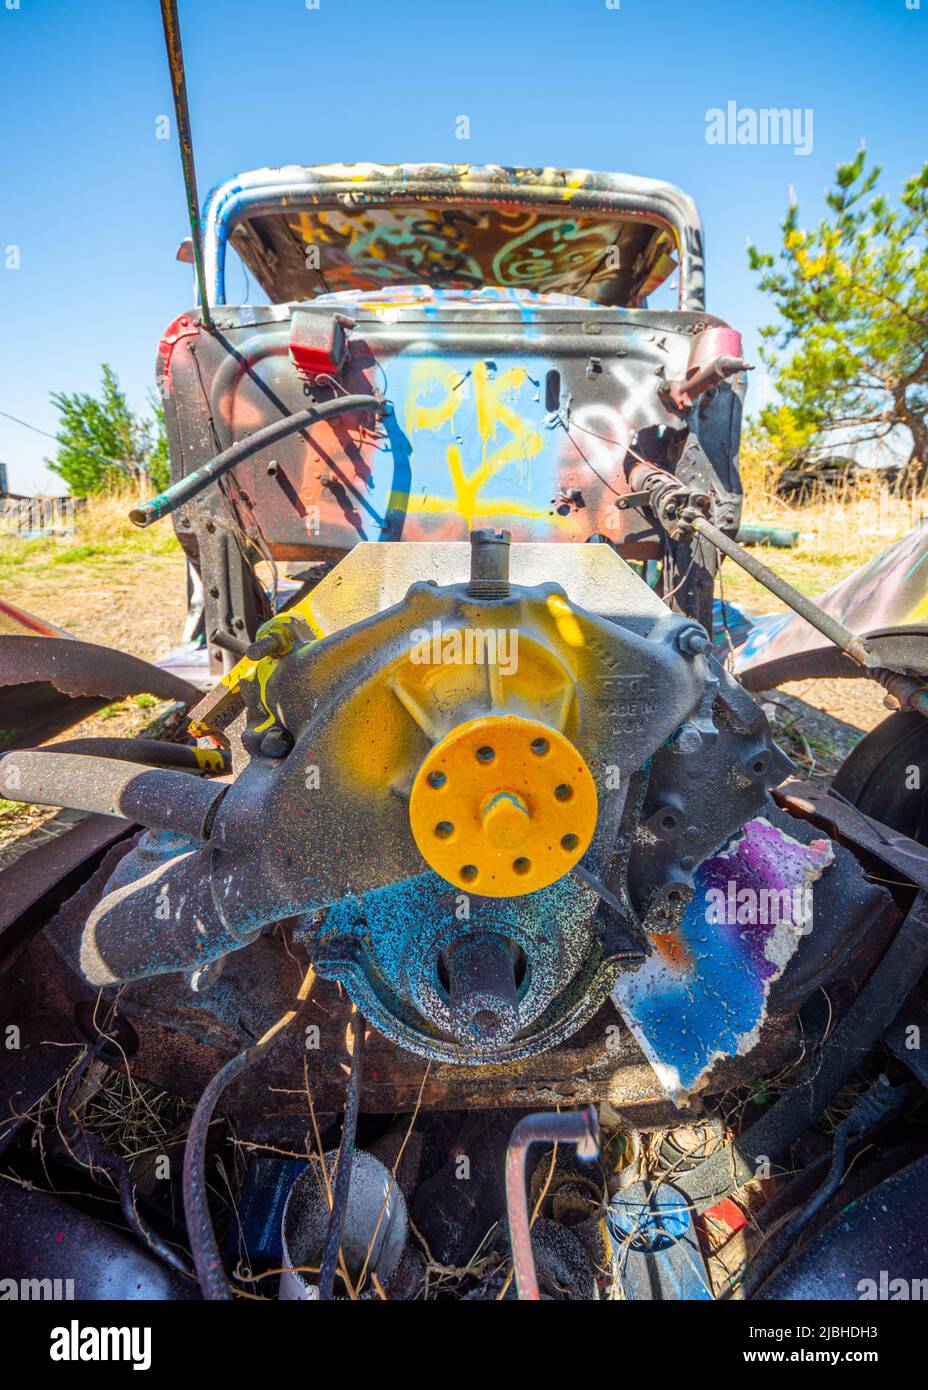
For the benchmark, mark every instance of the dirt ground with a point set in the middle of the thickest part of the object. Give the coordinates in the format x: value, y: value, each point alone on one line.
x: 136, y: 602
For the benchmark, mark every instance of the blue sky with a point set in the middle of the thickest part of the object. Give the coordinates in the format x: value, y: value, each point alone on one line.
x: 95, y: 203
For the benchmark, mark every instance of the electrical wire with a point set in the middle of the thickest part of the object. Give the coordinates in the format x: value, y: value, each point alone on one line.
x: 345, y: 1163
x: 203, y: 1244
x: 101, y: 458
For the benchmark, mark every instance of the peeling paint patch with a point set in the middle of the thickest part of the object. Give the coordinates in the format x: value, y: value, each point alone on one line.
x: 704, y: 995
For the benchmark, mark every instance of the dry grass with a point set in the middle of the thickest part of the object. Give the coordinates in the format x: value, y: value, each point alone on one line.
x: 102, y: 531
x: 839, y: 530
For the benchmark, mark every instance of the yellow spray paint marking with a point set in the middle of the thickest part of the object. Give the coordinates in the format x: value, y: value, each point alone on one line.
x: 246, y: 669
x: 261, y: 671
x: 569, y: 630
x: 210, y: 759
x: 495, y: 398
x: 425, y: 375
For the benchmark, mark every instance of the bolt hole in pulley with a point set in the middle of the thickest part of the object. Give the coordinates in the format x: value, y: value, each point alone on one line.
x: 524, y: 801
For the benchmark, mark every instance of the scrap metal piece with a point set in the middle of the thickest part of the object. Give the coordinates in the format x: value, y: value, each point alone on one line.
x: 888, y: 595
x: 83, y: 668
x: 52, y: 864
x: 852, y: 828
x: 703, y: 993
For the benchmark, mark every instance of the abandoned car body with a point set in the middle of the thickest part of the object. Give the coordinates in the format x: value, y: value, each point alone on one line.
x: 474, y: 807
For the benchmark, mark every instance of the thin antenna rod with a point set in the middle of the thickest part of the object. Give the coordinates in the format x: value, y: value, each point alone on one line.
x: 179, y: 83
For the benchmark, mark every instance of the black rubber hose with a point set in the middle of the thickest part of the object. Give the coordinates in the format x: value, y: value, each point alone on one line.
x: 858, y: 1032
x: 160, y: 798
x: 345, y: 1162
x: 152, y: 751
x: 189, y: 487
x: 203, y: 1244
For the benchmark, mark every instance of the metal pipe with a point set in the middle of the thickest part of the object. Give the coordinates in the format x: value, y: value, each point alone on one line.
x: 345, y: 1162
x: 682, y: 393
x: 171, y: 26
x: 190, y: 486
x: 828, y: 626
x: 159, y: 798
x: 203, y: 1244
x: 573, y: 1127
x: 483, y: 990
x: 489, y: 564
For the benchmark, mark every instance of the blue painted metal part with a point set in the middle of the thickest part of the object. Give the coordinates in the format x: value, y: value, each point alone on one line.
x: 656, y: 1253
x: 261, y: 1207
x: 387, y: 950
x: 703, y: 993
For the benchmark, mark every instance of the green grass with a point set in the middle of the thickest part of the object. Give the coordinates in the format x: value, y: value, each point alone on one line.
x: 18, y: 556
x: 103, y: 535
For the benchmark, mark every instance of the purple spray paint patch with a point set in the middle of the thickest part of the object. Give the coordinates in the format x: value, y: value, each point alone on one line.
x: 703, y: 993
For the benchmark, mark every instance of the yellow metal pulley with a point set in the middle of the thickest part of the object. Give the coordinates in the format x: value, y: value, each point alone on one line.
x: 503, y: 806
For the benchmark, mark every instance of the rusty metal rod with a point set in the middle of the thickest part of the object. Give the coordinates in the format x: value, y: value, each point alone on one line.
x: 151, y: 751
x: 573, y: 1127
x: 189, y: 487
x: 204, y: 1246
x: 855, y: 647
x: 171, y: 26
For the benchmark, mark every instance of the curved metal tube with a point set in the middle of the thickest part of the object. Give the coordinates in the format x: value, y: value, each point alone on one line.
x: 204, y: 1247
x: 580, y: 1128
x: 151, y: 751
x: 296, y: 187
x: 345, y: 1163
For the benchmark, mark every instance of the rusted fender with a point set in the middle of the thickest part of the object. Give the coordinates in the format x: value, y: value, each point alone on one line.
x: 85, y: 669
